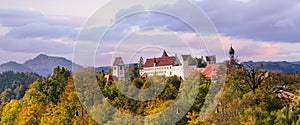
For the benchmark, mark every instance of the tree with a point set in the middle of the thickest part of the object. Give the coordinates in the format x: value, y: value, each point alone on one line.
x: 33, y: 106
x: 54, y: 86
x: 14, y: 84
x: 141, y: 62
x: 254, y: 77
x: 10, y: 112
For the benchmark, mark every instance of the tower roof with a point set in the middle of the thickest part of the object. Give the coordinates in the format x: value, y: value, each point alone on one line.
x: 164, y: 54
x: 118, y: 61
x: 231, y: 50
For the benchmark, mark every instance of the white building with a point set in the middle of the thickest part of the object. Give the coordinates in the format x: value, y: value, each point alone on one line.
x: 119, y: 69
x: 172, y: 65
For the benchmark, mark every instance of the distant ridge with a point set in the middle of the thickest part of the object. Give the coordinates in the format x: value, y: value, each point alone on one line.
x: 297, y: 63
x: 279, y: 67
x: 42, y: 65
x: 13, y: 66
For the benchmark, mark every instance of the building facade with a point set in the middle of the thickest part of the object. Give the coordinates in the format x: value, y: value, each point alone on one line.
x: 170, y: 65
x: 118, y: 69
x: 173, y: 65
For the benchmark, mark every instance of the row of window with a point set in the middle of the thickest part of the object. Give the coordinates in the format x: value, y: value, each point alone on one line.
x: 120, y: 68
x: 158, y: 68
x: 159, y: 73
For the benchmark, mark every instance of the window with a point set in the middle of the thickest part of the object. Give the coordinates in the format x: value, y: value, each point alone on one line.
x: 120, y: 67
x: 115, y: 68
x: 170, y: 73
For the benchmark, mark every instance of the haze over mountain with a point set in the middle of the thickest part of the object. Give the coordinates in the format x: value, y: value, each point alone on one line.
x: 280, y: 67
x: 297, y: 63
x: 42, y: 65
x: 13, y: 66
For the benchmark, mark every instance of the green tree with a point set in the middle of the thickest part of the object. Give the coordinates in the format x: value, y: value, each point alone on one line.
x: 54, y: 86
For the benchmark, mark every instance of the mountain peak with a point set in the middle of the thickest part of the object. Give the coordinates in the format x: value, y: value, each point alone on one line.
x: 42, y: 55
x: 11, y: 62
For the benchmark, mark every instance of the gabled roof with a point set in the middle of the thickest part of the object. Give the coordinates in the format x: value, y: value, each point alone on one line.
x: 164, y: 54
x: 118, y: 61
x: 164, y: 60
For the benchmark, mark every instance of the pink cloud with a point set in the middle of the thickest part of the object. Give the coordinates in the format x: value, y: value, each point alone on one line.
x: 251, y: 48
x: 248, y: 49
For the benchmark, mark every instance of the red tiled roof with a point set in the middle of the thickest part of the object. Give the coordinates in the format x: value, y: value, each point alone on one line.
x: 161, y: 61
x: 144, y: 75
x: 164, y: 60
x: 210, y: 70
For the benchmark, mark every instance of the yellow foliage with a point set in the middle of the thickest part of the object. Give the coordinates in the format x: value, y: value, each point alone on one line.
x: 10, y: 112
x: 193, y: 118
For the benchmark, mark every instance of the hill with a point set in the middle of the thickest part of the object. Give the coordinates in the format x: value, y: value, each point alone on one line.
x: 297, y: 63
x: 280, y: 67
x: 42, y: 65
x: 104, y: 68
x: 13, y: 66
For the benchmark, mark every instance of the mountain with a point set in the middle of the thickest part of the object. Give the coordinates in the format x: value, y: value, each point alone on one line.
x: 280, y: 67
x: 42, y: 65
x: 13, y: 66
x: 104, y: 68
x: 297, y: 63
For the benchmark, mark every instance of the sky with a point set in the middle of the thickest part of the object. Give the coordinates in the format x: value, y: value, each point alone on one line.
x: 258, y: 30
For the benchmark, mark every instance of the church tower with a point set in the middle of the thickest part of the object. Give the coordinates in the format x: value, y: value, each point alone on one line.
x: 119, y: 68
x: 231, y: 53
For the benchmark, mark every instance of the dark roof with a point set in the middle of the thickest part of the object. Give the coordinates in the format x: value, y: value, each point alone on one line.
x: 231, y: 51
x: 164, y: 54
x: 118, y: 61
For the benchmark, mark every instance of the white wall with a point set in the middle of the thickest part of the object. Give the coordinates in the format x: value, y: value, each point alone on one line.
x: 119, y: 71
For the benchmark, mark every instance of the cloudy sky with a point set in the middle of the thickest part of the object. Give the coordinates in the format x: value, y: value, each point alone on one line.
x: 258, y: 30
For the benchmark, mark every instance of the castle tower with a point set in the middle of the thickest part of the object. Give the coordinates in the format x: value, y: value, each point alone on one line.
x: 119, y: 68
x: 231, y: 53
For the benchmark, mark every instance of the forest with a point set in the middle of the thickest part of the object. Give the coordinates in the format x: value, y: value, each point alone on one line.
x: 250, y: 96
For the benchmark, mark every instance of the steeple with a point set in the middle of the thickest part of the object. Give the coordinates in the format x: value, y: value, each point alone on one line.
x: 231, y: 53
x: 164, y: 54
